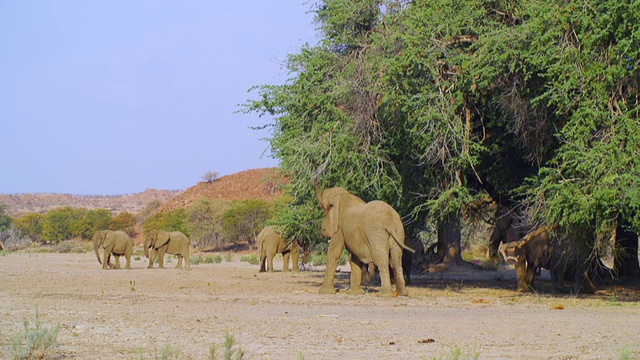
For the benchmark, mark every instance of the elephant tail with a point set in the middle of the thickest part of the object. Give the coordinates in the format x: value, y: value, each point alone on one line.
x: 398, y: 237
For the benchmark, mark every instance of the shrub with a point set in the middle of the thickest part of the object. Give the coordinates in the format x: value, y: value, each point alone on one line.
x: 230, y: 351
x: 36, y: 342
x: 13, y: 239
x: 211, y: 176
x: 253, y: 259
x: 245, y: 219
x: 167, y: 353
x: 204, y: 222
x: 228, y: 257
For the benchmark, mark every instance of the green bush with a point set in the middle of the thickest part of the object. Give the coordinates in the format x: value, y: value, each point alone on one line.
x: 320, y: 258
x: 35, y: 342
x: 253, y: 259
x: 229, y: 257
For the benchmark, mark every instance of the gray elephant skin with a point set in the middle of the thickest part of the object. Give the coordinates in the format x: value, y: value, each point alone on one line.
x: 271, y: 242
x: 371, y: 232
x: 162, y: 242
x: 116, y: 243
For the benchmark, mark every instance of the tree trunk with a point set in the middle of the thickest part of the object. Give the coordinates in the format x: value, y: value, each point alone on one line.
x: 625, y: 261
x: 449, y: 244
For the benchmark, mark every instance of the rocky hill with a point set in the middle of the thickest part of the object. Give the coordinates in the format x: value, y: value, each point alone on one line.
x: 266, y: 184
x: 251, y: 184
x: 22, y: 204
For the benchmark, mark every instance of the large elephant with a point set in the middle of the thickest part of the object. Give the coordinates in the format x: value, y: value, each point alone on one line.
x: 542, y: 248
x: 271, y: 242
x: 161, y: 242
x: 116, y: 243
x: 372, y: 233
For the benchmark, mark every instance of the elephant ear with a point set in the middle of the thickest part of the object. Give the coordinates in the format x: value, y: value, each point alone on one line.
x: 162, y: 240
x: 333, y: 214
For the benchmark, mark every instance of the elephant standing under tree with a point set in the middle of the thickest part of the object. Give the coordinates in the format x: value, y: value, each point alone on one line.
x: 117, y: 243
x: 271, y: 242
x: 372, y: 233
x: 161, y: 242
x: 542, y: 249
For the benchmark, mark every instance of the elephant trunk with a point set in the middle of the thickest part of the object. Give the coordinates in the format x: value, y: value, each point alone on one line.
x: 147, y: 243
x: 96, y: 246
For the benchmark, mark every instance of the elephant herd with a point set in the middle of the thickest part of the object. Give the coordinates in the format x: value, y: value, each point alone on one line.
x: 373, y: 234
x: 119, y: 243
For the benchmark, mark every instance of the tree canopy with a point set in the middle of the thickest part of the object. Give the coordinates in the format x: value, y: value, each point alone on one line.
x: 438, y: 106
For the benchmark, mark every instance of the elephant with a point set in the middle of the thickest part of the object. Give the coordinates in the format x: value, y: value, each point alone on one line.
x: 271, y: 242
x: 117, y: 243
x: 371, y: 232
x: 506, y: 230
x: 542, y: 248
x: 369, y: 271
x: 161, y: 242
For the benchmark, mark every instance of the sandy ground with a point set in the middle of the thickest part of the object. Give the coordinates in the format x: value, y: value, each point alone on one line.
x: 121, y: 314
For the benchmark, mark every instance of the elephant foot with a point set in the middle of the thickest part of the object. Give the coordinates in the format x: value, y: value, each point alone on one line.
x: 327, y: 290
x: 402, y: 292
x: 385, y: 293
x: 356, y: 291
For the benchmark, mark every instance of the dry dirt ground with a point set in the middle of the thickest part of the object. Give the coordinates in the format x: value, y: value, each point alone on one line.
x: 121, y: 314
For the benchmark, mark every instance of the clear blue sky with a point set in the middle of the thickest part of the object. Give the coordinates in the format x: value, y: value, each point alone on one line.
x: 114, y: 97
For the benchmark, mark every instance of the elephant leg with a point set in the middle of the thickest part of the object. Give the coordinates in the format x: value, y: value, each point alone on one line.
x: 398, y: 272
x: 187, y: 259
x: 356, y: 275
x: 381, y: 255
x: 530, y: 276
x: 336, y: 245
x: 263, y: 262
x: 106, y: 257
x: 152, y: 258
x: 117, y: 266
x: 295, y: 258
x: 161, y: 258
x: 368, y: 273
x: 128, y: 258
x: 179, y: 265
x: 285, y: 259
x: 521, y: 272
x: 270, y: 256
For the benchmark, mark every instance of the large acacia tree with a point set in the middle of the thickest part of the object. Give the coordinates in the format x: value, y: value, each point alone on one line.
x: 438, y: 106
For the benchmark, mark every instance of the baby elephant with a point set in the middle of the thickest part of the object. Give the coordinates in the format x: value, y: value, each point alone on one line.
x: 271, y: 242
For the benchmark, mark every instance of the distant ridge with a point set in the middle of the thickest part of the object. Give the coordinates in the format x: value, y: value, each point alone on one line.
x: 22, y: 204
x: 266, y: 184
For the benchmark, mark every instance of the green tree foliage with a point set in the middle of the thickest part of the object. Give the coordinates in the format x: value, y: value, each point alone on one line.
x: 244, y: 220
x: 5, y: 219
x: 435, y: 106
x: 204, y: 222
x: 62, y: 224
x: 31, y: 225
x: 92, y: 221
x: 124, y: 221
x: 174, y: 220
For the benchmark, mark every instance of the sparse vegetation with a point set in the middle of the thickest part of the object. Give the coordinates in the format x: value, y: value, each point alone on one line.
x: 34, y: 342
x: 455, y: 353
x: 230, y: 351
x: 167, y: 353
x: 253, y: 259
x: 211, y: 176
